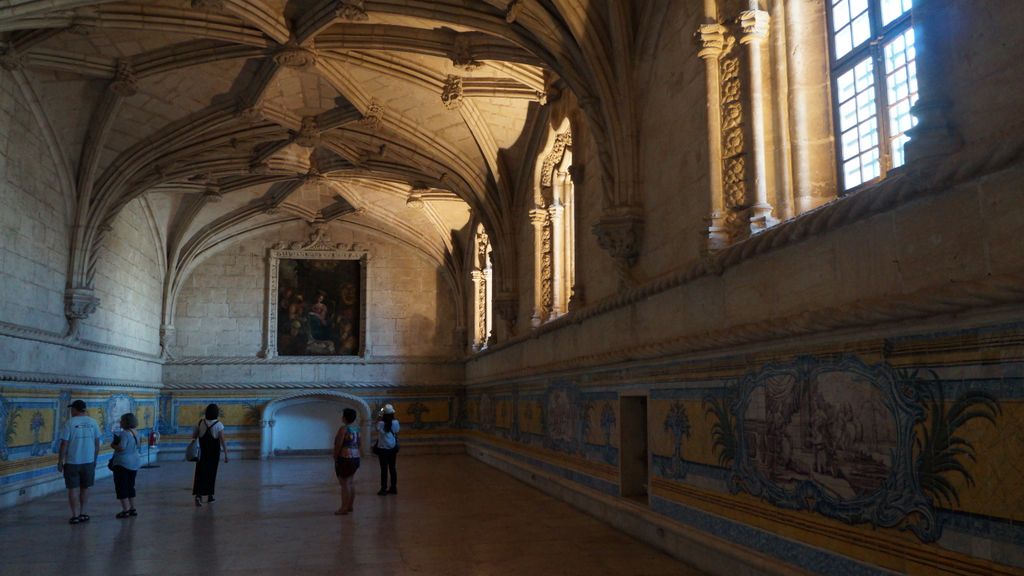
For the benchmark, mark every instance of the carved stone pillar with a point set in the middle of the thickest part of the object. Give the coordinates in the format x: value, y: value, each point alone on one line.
x: 541, y: 265
x: 506, y: 305
x: 712, y: 42
x: 934, y: 135
x: 79, y: 304
x: 555, y: 213
x: 755, y: 29
x: 620, y: 232
x: 479, y: 309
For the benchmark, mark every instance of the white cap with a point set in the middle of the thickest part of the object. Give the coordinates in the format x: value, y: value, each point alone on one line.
x: 389, y: 409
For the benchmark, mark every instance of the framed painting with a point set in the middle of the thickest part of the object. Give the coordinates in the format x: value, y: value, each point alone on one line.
x: 316, y: 299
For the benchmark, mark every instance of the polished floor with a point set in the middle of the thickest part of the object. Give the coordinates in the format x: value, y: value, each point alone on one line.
x: 453, y: 516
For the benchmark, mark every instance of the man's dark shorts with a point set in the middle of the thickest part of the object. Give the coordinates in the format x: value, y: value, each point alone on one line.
x: 79, y: 475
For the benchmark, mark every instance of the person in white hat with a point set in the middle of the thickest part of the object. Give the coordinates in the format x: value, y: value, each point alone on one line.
x: 386, y: 449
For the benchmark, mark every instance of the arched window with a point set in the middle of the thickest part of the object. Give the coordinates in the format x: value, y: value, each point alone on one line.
x: 874, y: 85
x: 483, y: 291
x: 553, y: 219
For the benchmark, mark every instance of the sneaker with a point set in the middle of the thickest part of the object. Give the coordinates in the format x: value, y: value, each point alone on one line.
x: 382, y: 492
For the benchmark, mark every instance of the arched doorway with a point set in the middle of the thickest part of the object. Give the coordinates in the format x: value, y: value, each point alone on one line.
x: 337, y: 400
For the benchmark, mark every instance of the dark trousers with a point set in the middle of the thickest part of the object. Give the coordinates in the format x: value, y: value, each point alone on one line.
x: 387, y: 463
x: 124, y: 482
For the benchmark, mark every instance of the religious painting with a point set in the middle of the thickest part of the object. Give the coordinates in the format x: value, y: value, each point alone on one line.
x: 318, y: 307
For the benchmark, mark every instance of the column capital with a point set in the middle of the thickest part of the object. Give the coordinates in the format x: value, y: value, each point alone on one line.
x: 477, y: 275
x: 619, y: 232
x: 755, y: 25
x: 538, y: 217
x: 712, y: 40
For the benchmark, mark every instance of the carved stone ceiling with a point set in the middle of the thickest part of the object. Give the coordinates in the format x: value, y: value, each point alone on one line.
x: 228, y: 115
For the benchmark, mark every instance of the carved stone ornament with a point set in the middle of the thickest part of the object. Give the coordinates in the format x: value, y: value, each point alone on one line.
x: 619, y: 233
x: 295, y: 56
x: 80, y: 303
x: 513, y: 10
x: 562, y: 141
x: 462, y: 54
x: 374, y: 117
x: 208, y: 4
x: 351, y: 10
x: 415, y: 199
x: 259, y: 168
x: 711, y: 38
x: 755, y: 25
x: 212, y: 193
x: 451, y: 93
x: 11, y: 61
x: 309, y: 133
x: 124, y: 83
x: 166, y: 336
x: 250, y: 114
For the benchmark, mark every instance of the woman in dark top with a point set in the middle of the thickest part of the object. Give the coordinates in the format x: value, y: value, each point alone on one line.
x: 210, y: 433
x: 387, y: 449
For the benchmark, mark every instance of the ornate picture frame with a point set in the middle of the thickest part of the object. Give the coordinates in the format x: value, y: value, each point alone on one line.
x: 318, y: 247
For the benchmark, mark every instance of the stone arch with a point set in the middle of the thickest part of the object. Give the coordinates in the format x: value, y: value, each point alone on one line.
x: 342, y: 398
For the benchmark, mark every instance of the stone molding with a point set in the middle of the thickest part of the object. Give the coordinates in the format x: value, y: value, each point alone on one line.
x: 930, y: 302
x: 11, y: 376
x: 286, y: 360
x: 47, y: 337
x: 300, y: 386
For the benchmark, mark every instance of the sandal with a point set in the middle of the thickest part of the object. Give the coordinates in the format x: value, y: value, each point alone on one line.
x: 123, y: 514
x: 132, y: 512
x: 199, y: 501
x: 74, y: 520
x: 83, y: 517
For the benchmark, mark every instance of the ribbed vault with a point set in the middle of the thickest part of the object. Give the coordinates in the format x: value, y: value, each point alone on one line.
x: 417, y: 119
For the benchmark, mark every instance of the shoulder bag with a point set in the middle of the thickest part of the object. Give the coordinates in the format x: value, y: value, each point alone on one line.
x: 192, y: 451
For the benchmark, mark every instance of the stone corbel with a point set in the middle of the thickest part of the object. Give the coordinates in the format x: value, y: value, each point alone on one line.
x: 292, y: 55
x: 506, y: 304
x: 124, y: 83
x: 351, y: 10
x: 166, y: 336
x: 620, y: 233
x: 79, y: 304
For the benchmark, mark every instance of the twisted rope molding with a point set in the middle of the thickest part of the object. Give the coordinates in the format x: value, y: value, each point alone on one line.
x: 318, y: 360
x: 914, y: 183
x: 447, y: 388
x: 15, y: 377
x: 951, y: 299
x: 47, y: 337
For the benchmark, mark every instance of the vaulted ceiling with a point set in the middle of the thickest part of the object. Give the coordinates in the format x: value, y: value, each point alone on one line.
x: 411, y: 118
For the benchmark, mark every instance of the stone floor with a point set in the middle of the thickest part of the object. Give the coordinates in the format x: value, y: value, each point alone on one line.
x: 453, y: 516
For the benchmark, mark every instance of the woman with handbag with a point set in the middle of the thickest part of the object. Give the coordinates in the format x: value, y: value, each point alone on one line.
x: 386, y: 449
x: 209, y: 432
x: 125, y: 464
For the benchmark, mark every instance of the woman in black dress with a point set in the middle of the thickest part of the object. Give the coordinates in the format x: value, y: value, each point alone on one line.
x: 210, y: 432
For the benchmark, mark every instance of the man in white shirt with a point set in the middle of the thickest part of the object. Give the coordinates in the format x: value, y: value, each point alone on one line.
x: 79, y: 447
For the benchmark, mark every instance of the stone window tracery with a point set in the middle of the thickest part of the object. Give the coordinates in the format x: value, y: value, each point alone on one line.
x: 553, y: 219
x: 874, y: 86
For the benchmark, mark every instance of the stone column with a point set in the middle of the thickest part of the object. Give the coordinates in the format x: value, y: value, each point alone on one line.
x: 755, y: 29
x: 555, y: 213
x: 712, y: 41
x: 479, y: 310
x: 934, y: 135
x: 539, y: 219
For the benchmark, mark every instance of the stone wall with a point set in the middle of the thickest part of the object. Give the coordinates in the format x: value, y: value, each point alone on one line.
x: 112, y: 362
x: 220, y: 310
x: 765, y: 365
